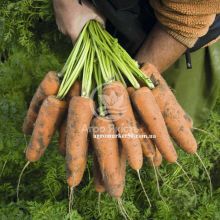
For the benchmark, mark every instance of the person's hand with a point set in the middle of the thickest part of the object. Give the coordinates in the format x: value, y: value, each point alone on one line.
x: 72, y: 16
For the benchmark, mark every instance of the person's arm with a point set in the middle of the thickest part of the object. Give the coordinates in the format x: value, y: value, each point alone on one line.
x: 181, y: 24
x: 160, y: 49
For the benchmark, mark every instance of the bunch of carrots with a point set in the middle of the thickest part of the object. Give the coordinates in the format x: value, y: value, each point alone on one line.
x: 102, y: 100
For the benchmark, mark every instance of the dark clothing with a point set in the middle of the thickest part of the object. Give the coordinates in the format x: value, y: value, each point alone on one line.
x: 132, y: 20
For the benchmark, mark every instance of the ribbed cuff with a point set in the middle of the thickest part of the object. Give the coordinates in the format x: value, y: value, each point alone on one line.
x: 188, y: 42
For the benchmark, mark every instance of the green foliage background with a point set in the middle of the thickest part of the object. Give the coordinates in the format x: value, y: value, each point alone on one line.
x: 30, y: 46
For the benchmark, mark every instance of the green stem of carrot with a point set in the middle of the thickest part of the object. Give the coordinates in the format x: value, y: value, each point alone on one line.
x: 74, y: 53
x: 102, y: 45
x: 117, y: 74
x: 113, y: 61
x: 117, y: 49
x: 102, y: 66
x: 87, y: 73
x: 98, y: 79
x: 68, y: 82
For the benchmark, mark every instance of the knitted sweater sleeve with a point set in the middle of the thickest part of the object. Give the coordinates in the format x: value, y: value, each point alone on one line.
x: 186, y: 20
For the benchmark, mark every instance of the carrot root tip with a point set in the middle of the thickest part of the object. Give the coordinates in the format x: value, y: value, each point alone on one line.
x: 142, y: 186
x: 3, y: 167
x: 70, y: 199
x: 19, y: 179
x: 123, y: 210
x: 207, y: 173
x: 99, y: 201
x: 157, y: 181
x: 191, y: 183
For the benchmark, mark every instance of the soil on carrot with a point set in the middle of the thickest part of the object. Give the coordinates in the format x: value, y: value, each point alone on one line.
x: 27, y: 53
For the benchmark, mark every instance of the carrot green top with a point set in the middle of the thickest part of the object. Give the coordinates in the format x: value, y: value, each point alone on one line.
x: 95, y: 47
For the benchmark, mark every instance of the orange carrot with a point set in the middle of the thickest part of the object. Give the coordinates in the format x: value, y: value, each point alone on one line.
x: 74, y: 91
x: 130, y: 90
x: 181, y: 134
x: 147, y: 144
x: 80, y: 114
x: 105, y: 144
x: 49, y: 86
x: 149, y: 111
x: 178, y: 123
x: 119, y: 107
x: 62, y: 138
x: 98, y: 180
x: 157, y: 159
x: 49, y: 118
x: 123, y: 159
x: 148, y: 147
x: 164, y: 97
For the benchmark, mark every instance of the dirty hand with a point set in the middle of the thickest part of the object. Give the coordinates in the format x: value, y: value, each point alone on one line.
x: 71, y: 16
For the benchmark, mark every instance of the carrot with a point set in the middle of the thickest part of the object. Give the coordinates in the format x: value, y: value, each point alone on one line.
x: 164, y: 97
x: 98, y: 180
x: 123, y: 159
x: 177, y: 122
x: 130, y: 91
x: 105, y: 144
x: 62, y: 138
x: 157, y: 159
x: 181, y: 134
x: 150, y: 151
x: 148, y: 147
x: 119, y: 107
x: 74, y: 91
x: 150, y: 113
x: 80, y: 114
x: 49, y: 86
x: 49, y: 118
